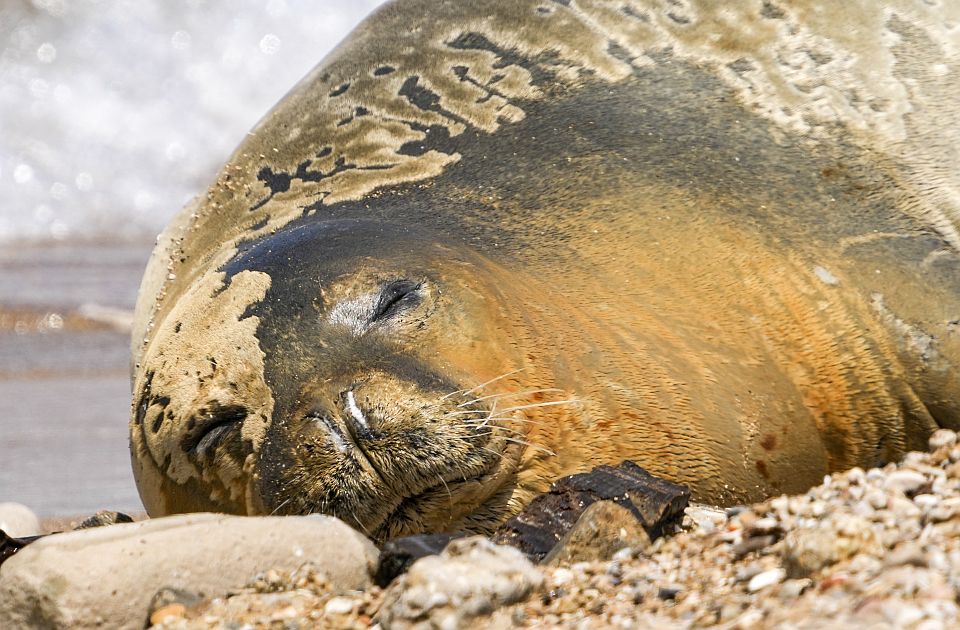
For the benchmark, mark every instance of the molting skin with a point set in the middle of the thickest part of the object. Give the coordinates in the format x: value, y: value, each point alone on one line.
x: 480, y: 247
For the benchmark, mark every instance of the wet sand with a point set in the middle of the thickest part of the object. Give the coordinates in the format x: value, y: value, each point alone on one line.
x: 64, y: 389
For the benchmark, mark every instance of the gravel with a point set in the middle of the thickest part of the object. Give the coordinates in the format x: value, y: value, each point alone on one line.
x: 877, y: 548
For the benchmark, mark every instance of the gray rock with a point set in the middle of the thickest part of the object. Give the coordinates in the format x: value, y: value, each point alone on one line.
x: 107, y: 576
x: 473, y: 577
x: 104, y: 517
x: 602, y: 530
x: 808, y: 550
x: 18, y: 520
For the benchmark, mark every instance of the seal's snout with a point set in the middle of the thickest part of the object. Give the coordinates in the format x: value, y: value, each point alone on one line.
x: 345, y: 424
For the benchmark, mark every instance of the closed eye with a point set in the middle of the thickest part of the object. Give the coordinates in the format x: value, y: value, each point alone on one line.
x: 395, y: 297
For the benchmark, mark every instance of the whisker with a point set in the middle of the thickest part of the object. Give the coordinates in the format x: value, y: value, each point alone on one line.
x: 365, y: 530
x: 530, y: 444
x: 481, y: 385
x: 524, y: 393
x: 278, y: 508
x: 501, y: 428
x: 543, y: 404
x: 449, y: 495
x: 511, y: 418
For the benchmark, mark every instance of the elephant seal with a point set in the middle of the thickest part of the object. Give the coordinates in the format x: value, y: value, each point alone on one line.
x: 483, y: 245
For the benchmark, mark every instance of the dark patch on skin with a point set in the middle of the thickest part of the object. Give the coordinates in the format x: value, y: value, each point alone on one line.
x: 769, y: 442
x: 177, y: 327
x: 772, y: 11
x: 631, y: 12
x: 679, y: 19
x: 420, y: 96
x: 435, y: 137
x: 819, y: 58
x: 324, y: 152
x: 144, y: 403
x: 279, y: 181
x: 259, y: 225
x: 619, y: 52
x: 276, y: 181
x: 762, y: 468
x: 463, y: 73
x: 339, y: 90
x: 540, y: 74
x: 383, y: 70
x: 148, y: 400
x: 741, y: 66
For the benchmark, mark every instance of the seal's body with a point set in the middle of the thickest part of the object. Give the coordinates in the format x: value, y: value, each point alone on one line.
x: 485, y: 245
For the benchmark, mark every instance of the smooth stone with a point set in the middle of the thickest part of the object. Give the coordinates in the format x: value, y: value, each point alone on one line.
x: 807, y: 551
x: 602, y: 530
x: 473, y: 577
x: 768, y: 578
x: 105, y: 577
x: 18, y: 521
x: 907, y: 481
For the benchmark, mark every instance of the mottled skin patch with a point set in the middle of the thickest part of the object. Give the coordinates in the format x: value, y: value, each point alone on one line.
x: 204, y: 363
x: 727, y: 231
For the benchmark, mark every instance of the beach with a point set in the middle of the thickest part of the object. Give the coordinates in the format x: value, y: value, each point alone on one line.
x: 64, y: 374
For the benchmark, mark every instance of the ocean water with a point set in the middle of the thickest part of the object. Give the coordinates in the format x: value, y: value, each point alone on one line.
x: 113, y: 113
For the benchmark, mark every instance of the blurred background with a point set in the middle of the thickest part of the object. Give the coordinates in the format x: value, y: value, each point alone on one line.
x: 113, y: 113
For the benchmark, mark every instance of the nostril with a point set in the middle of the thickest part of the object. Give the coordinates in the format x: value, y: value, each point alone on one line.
x: 337, y: 437
x: 355, y: 412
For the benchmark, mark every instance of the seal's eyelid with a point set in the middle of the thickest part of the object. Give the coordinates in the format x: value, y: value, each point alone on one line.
x: 396, y: 296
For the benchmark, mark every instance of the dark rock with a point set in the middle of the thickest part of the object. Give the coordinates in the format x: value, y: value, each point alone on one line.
x: 750, y: 545
x: 669, y: 593
x: 10, y: 545
x: 656, y: 503
x: 398, y: 554
x: 104, y: 517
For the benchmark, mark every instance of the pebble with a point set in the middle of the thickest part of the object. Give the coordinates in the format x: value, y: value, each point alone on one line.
x: 942, y: 438
x: 338, y: 606
x: 166, y: 613
x: 907, y: 481
x: 767, y: 578
x: 852, y: 552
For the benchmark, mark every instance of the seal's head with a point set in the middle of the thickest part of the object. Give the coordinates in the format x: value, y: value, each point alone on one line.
x: 379, y: 347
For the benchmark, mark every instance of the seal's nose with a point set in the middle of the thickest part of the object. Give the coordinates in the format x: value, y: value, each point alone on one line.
x: 343, y: 419
x: 358, y: 422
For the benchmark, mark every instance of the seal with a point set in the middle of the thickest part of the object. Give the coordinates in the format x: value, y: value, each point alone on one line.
x: 485, y: 245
